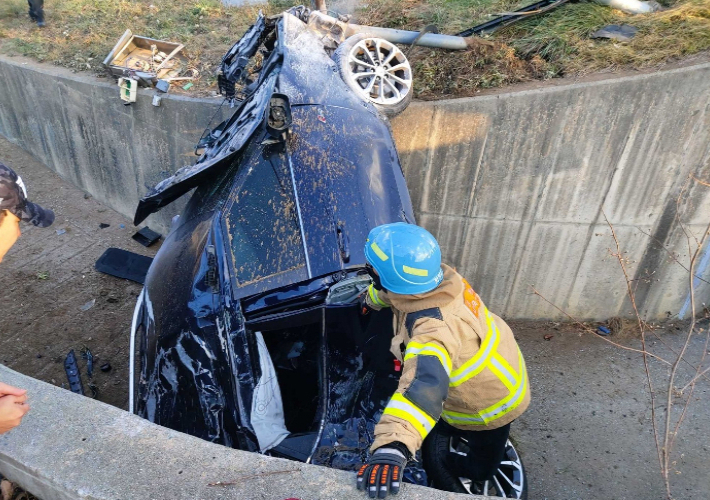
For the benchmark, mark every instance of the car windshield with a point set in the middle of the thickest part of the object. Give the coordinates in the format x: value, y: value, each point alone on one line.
x: 262, y: 221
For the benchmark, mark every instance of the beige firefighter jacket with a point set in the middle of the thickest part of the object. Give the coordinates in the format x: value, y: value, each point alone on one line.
x: 460, y: 363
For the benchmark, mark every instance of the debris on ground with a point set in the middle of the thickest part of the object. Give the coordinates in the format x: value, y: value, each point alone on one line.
x: 146, y: 236
x: 603, y: 331
x: 162, y: 86
x: 124, y: 264
x: 61, y: 231
x: 144, y: 59
x: 105, y: 367
x: 621, y: 33
x: 42, y: 275
x: 88, y: 305
x: 616, y: 325
x: 128, y: 89
x: 548, y: 336
x: 89, y: 357
x: 73, y: 376
x: 632, y: 6
x: 104, y: 225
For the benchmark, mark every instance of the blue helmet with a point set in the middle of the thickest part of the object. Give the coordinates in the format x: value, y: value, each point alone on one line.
x: 407, y: 258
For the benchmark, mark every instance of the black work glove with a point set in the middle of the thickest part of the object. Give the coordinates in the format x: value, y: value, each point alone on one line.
x: 362, y: 302
x: 383, y: 473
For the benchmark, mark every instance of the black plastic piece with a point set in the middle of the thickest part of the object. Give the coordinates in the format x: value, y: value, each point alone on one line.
x: 124, y: 264
x: 279, y: 116
x: 73, y: 375
x: 497, y: 23
x: 296, y: 446
x: 146, y: 236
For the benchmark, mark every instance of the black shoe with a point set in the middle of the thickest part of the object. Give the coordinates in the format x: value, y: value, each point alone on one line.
x: 41, y: 24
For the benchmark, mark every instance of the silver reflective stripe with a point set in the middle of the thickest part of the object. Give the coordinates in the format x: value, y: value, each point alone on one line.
x: 484, y: 357
x: 504, y: 371
x: 412, y: 410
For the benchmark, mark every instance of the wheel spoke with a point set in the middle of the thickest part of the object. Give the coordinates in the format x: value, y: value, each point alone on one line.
x: 366, y: 50
x: 389, y: 56
x: 499, y: 488
x: 368, y: 89
x: 398, y: 79
x: 507, y: 479
x: 397, y: 93
x: 358, y: 76
x: 378, y: 51
x: 355, y: 60
x: 397, y: 67
x: 512, y: 464
x: 381, y: 88
x: 485, y: 488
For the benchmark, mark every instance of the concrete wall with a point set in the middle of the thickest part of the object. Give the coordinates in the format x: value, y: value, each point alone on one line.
x: 515, y: 186
x: 512, y: 184
x: 70, y: 447
x: 79, y: 127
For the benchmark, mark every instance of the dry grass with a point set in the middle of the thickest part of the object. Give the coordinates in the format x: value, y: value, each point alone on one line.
x: 551, y: 45
x: 80, y: 33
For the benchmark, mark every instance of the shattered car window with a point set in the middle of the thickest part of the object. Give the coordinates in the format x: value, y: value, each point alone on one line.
x: 262, y: 222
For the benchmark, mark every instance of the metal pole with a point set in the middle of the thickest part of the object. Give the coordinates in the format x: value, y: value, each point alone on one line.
x: 320, y: 5
x: 408, y: 37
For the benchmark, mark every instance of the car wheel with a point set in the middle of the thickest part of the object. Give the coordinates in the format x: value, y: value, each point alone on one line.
x: 509, y: 481
x: 377, y: 71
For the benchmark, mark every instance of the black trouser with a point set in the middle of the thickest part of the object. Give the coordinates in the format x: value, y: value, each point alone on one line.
x: 36, y: 10
x: 486, y: 451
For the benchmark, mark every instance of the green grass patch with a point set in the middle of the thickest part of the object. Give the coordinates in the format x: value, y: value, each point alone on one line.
x: 80, y: 33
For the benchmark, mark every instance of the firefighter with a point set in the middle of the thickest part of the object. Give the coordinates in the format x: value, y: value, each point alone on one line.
x: 463, y: 373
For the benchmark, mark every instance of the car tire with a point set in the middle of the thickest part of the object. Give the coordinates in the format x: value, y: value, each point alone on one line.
x: 437, y: 446
x: 390, y: 89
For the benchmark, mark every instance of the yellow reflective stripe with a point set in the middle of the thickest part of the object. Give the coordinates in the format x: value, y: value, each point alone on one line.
x: 401, y: 407
x: 375, y: 297
x: 498, y: 410
x: 378, y: 251
x: 429, y: 349
x: 414, y: 271
x: 453, y: 417
x: 478, y: 362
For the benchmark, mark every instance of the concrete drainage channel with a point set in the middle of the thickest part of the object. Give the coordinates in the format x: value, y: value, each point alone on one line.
x: 511, y: 184
x: 440, y: 144
x: 71, y: 447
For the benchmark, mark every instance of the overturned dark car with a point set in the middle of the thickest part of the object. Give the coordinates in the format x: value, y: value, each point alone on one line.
x: 247, y: 332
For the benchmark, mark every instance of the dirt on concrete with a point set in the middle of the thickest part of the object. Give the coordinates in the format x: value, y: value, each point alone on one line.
x: 586, y: 435
x: 53, y: 300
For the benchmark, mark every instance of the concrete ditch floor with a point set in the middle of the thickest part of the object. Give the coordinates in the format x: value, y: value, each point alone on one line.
x: 586, y: 435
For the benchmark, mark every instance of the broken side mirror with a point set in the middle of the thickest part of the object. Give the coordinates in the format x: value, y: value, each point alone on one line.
x: 278, y: 119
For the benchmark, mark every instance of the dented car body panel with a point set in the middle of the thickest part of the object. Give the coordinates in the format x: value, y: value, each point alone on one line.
x: 275, y: 226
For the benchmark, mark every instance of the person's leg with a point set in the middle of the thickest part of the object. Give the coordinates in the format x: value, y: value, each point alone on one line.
x: 31, y: 12
x: 486, y: 451
x: 37, y: 11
